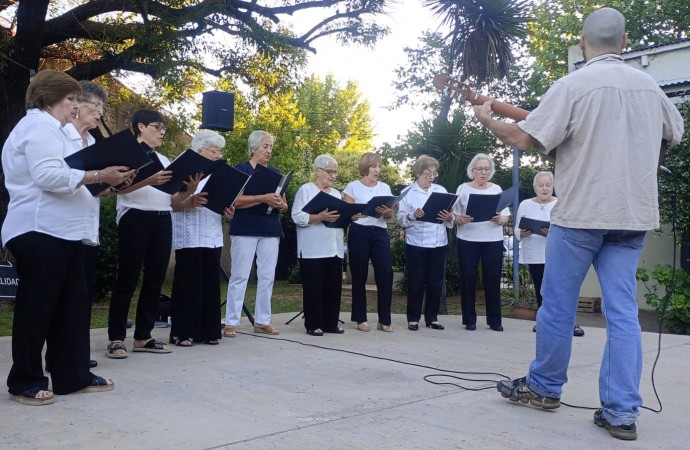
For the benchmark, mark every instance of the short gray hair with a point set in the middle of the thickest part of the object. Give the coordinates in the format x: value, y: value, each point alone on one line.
x: 90, y: 89
x: 546, y: 173
x: 424, y: 162
x: 473, y: 164
x: 604, y: 29
x: 256, y: 138
x: 204, y: 139
x: 323, y: 161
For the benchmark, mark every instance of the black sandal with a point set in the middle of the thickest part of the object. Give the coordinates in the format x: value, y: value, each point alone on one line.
x: 29, y: 397
x: 153, y: 346
x: 97, y: 384
x: 181, y: 341
x: 211, y: 341
x: 111, y: 351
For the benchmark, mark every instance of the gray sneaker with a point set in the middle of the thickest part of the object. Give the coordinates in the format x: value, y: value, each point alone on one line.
x: 517, y: 390
x: 625, y: 432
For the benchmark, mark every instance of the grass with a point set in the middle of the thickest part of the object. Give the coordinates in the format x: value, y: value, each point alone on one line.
x: 286, y: 298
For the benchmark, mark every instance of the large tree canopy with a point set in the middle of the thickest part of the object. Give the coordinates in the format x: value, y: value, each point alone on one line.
x: 170, y: 40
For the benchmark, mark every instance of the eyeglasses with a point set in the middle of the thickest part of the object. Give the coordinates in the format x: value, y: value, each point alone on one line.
x: 159, y: 127
x: 431, y: 174
x: 97, y: 106
x: 482, y: 169
x: 330, y: 172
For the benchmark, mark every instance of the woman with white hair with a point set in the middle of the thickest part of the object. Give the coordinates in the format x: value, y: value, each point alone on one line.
x: 533, y: 246
x: 253, y: 232
x: 320, y: 251
x: 480, y: 241
x: 198, y: 242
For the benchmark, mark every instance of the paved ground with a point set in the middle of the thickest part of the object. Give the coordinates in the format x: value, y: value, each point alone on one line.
x: 303, y: 392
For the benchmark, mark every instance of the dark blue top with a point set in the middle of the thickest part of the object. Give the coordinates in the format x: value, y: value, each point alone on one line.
x: 254, y: 221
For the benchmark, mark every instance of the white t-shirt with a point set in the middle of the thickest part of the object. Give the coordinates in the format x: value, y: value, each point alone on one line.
x: 362, y: 193
x: 44, y: 196
x: 315, y: 240
x: 532, y: 248
x: 477, y: 231
x: 147, y: 198
x: 197, y: 227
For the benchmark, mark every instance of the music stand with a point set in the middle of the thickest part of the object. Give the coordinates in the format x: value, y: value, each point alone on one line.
x: 244, y: 307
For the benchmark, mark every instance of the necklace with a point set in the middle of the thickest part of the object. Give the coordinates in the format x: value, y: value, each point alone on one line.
x: 543, y: 205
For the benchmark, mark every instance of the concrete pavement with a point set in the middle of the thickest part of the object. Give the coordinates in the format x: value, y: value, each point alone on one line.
x: 302, y: 392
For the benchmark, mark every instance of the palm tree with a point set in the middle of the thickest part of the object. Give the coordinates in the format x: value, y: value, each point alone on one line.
x: 482, y: 34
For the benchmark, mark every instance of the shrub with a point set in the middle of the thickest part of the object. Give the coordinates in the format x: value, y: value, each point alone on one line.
x: 674, y: 306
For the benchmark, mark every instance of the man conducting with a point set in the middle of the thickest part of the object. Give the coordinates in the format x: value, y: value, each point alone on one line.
x: 603, y: 125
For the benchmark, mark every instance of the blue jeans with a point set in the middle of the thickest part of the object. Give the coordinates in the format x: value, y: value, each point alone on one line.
x: 615, y: 255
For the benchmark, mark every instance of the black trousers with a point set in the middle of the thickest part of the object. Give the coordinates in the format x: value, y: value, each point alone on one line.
x: 364, y: 243
x: 322, y: 284
x: 144, y: 239
x: 536, y: 271
x: 196, y: 294
x: 425, y: 267
x: 52, y: 307
x: 490, y: 254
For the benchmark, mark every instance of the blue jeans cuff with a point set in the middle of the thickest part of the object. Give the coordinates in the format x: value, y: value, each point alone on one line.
x: 619, y: 418
x: 532, y: 384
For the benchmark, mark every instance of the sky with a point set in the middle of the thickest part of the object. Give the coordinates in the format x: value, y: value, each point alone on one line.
x: 373, y: 69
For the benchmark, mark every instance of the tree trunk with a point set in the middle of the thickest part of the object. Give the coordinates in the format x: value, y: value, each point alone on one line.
x: 23, y: 51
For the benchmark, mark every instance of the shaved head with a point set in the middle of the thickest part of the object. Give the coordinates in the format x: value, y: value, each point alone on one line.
x: 604, y: 30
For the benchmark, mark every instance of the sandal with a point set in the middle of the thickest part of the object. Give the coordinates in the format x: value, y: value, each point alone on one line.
x: 116, y: 350
x: 181, y: 342
x: 211, y: 341
x: 363, y: 327
x: 153, y: 346
x: 34, y: 397
x: 266, y: 329
x: 386, y: 328
x: 97, y: 384
x: 229, y: 331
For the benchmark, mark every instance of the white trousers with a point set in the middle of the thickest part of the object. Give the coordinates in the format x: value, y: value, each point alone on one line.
x: 242, y: 251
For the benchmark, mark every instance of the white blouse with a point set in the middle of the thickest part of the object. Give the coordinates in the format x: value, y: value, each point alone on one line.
x: 197, y: 227
x: 418, y: 233
x: 362, y: 193
x: 477, y: 231
x: 532, y: 248
x: 147, y: 198
x: 44, y: 196
x: 315, y: 240
x: 94, y: 203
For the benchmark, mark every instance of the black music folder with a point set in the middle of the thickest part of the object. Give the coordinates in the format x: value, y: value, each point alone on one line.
x: 386, y: 200
x: 282, y: 187
x: 120, y: 149
x: 346, y: 210
x: 436, y: 203
x: 483, y: 207
x: 533, y: 225
x: 263, y: 181
x: 186, y: 165
x: 223, y: 188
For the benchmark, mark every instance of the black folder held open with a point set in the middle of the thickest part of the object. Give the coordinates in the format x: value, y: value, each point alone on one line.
x: 346, y: 210
x: 186, y: 165
x: 223, y: 188
x: 483, y: 207
x: 120, y: 149
x: 533, y: 225
x: 437, y: 202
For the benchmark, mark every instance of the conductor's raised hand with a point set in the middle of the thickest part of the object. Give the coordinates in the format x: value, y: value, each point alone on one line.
x: 483, y: 111
x: 328, y: 216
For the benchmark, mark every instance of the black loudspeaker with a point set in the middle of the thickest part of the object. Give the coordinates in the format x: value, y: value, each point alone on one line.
x: 218, y: 111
